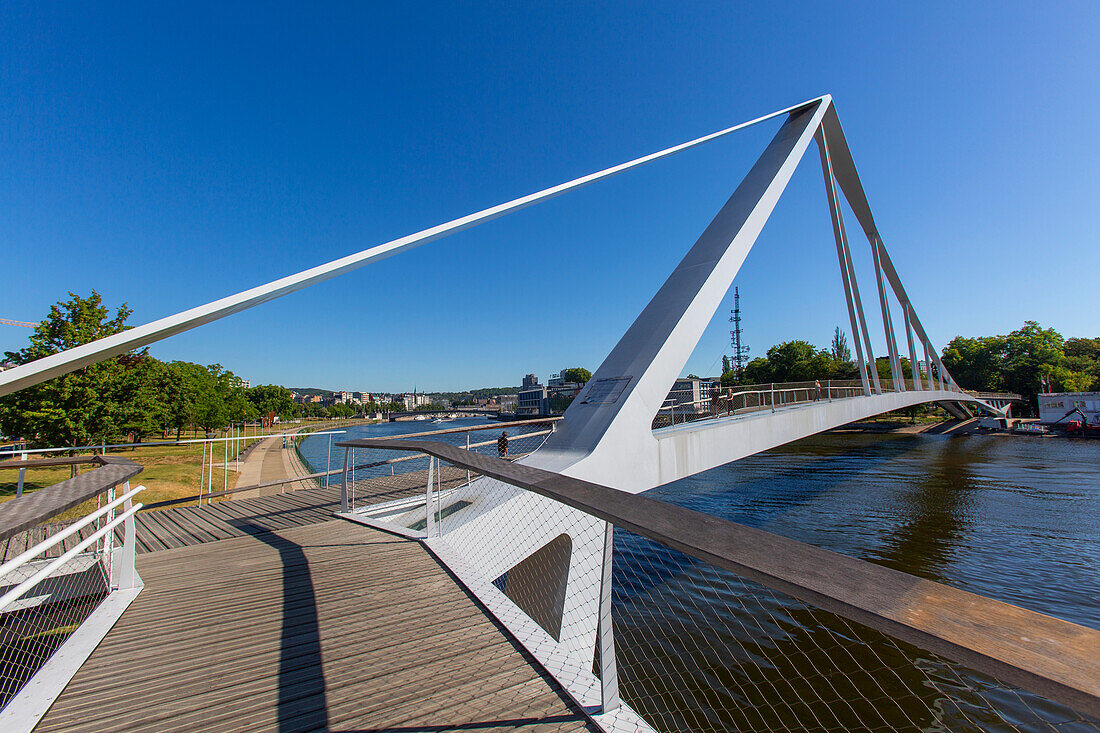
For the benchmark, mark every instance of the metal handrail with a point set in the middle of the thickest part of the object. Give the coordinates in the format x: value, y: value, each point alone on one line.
x: 358, y: 466
x: 1054, y: 658
x: 65, y: 533
x: 88, y: 541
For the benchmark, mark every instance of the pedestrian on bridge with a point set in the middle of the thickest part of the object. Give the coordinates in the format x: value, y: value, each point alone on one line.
x: 817, y: 390
x: 715, y: 399
x: 502, y: 444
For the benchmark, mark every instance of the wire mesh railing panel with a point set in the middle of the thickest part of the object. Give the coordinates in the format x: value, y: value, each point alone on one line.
x: 710, y: 400
x: 377, y: 476
x: 36, y: 621
x: 541, y: 554
x: 700, y: 649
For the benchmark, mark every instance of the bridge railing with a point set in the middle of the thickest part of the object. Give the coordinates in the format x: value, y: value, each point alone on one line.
x: 706, y: 402
x: 66, y: 574
x: 387, y: 480
x: 708, y: 625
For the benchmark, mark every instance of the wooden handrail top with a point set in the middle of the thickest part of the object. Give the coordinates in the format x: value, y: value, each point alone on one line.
x: 46, y: 462
x: 355, y: 443
x: 1054, y: 658
x: 29, y: 510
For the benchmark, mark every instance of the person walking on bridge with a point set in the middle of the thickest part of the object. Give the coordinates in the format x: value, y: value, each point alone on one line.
x: 817, y: 390
x: 502, y: 444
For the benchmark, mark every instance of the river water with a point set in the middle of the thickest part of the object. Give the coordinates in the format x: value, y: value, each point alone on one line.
x: 1013, y: 518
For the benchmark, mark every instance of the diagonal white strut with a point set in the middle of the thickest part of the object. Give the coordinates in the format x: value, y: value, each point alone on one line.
x: 62, y: 363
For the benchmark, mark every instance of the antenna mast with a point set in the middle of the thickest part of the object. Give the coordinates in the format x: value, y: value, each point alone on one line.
x: 740, y: 353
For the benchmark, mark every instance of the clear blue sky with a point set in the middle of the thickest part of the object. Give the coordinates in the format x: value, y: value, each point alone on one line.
x: 170, y: 154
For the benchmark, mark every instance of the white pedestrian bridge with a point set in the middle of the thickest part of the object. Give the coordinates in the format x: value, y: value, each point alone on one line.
x: 569, y: 600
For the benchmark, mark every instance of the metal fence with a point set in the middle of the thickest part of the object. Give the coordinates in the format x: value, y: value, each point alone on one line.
x: 384, y: 479
x: 56, y: 577
x: 702, y: 649
x: 658, y: 638
x: 709, y: 400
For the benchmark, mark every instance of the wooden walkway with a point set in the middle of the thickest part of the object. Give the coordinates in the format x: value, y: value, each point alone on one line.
x: 327, y: 627
x: 168, y: 529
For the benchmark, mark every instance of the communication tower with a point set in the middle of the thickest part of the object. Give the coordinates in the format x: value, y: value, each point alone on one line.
x: 740, y: 353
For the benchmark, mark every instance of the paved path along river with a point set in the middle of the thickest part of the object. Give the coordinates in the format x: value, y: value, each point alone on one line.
x: 273, y: 459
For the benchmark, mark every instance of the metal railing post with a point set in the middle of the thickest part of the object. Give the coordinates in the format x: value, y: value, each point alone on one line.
x: 429, y: 514
x: 22, y: 473
x: 122, y: 571
x: 468, y: 450
x: 344, y: 504
x: 609, y: 676
x: 109, y: 538
x: 773, y: 396
x: 202, y: 473
x: 328, y: 465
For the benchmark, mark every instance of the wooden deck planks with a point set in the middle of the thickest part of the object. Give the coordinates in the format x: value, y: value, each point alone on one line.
x: 329, y: 626
x: 173, y: 528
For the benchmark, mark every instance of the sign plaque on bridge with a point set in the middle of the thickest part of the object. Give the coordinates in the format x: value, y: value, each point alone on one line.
x: 605, y: 391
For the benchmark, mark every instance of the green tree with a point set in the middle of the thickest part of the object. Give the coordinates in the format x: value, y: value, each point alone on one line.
x: 210, y: 411
x: 1083, y: 348
x: 142, y: 403
x: 77, y: 408
x: 268, y: 398
x: 725, y: 365
x: 976, y: 363
x: 580, y: 375
x: 1029, y: 352
x: 840, y: 351
x: 1019, y: 361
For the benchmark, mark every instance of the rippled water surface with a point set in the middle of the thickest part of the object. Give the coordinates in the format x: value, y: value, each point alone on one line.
x: 1015, y: 518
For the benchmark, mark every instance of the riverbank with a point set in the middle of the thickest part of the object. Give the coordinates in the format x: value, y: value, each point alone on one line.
x: 906, y: 427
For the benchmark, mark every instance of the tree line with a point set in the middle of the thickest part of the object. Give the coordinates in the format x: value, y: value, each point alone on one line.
x: 1025, y: 361
x: 125, y: 398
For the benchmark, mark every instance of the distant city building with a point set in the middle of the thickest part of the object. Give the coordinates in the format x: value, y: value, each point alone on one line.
x: 688, y: 397
x: 543, y: 400
x: 1055, y: 406
x: 533, y: 399
x: 415, y: 400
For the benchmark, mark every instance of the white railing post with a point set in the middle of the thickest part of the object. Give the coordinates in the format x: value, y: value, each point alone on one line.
x: 22, y: 473
x: 468, y: 450
x: 328, y: 465
x: 122, y: 569
x: 202, y: 473
x: 109, y: 538
x: 429, y: 514
x: 344, y: 504
x: 609, y: 676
